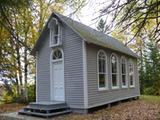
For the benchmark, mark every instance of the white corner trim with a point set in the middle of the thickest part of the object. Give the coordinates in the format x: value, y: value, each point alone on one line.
x: 50, y: 65
x: 85, y: 75
x: 36, y: 76
x: 133, y: 65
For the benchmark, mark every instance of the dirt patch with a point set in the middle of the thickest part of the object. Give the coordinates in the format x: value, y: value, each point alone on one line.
x: 10, y: 107
x: 134, y: 110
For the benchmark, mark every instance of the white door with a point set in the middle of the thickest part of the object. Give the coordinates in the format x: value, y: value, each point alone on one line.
x: 57, y: 81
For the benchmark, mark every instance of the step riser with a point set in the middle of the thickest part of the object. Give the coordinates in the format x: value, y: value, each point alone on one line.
x: 44, y: 115
x: 47, y: 106
x: 45, y: 110
x: 37, y: 108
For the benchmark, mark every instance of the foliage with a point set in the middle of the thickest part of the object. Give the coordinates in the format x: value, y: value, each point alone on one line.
x: 31, y: 93
x: 20, y: 23
x: 136, y: 15
x: 150, y: 70
x: 102, y: 26
x: 14, y: 98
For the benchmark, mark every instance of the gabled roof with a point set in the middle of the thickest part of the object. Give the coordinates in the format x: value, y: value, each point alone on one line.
x: 90, y: 35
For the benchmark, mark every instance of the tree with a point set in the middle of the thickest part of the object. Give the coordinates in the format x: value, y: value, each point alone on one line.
x: 136, y: 15
x: 102, y: 26
x: 150, y: 71
x: 20, y: 25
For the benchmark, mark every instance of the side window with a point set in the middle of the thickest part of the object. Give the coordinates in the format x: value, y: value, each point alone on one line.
x: 114, y: 71
x: 131, y: 74
x: 101, y: 66
x: 124, y: 72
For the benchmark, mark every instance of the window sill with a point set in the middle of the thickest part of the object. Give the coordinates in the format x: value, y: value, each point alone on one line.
x: 124, y: 87
x: 102, y: 89
x: 55, y: 45
x: 115, y: 88
x: 132, y: 86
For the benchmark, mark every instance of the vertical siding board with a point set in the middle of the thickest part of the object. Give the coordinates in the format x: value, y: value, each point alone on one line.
x: 96, y: 97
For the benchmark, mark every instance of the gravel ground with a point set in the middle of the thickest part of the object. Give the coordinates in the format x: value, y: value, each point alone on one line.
x: 132, y: 110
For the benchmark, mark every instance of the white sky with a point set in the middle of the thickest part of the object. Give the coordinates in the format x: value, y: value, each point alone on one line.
x: 90, y: 12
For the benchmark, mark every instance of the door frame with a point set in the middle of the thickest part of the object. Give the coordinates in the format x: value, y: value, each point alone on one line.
x: 51, y: 71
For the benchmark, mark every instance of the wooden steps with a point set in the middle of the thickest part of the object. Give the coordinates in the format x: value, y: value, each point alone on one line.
x: 45, y: 109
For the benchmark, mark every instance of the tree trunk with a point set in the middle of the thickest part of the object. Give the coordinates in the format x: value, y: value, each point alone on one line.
x: 25, y: 74
x: 20, y: 73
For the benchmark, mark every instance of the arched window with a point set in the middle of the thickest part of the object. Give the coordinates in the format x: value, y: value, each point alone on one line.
x: 101, y: 57
x: 57, y: 54
x: 55, y: 31
x: 114, y: 71
x: 131, y: 74
x: 123, y: 72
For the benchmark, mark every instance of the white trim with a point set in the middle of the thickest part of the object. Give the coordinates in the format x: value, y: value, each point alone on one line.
x: 50, y: 22
x: 36, y: 76
x: 118, y: 81
x: 124, y: 86
x: 51, y: 71
x: 50, y: 65
x: 106, y: 74
x: 59, y: 35
x: 85, y: 74
x: 131, y: 62
x: 55, y: 19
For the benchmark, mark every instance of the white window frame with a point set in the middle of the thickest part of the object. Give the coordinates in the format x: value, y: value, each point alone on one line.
x: 124, y: 86
x: 53, y: 53
x: 106, y: 75
x: 52, y: 35
x: 133, y: 73
x: 114, y: 87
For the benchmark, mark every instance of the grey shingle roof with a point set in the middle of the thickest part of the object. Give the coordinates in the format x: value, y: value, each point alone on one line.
x: 94, y: 36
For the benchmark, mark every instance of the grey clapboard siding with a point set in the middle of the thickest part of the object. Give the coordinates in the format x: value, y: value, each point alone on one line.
x: 73, y: 68
x: 96, y: 97
x: 43, y: 71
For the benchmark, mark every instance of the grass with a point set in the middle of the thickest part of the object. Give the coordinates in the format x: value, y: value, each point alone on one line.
x: 149, y: 98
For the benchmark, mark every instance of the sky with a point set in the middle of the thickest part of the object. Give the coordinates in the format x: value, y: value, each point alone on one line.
x: 89, y: 12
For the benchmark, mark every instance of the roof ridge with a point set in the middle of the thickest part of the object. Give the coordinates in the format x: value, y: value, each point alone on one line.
x: 91, y: 28
x: 102, y: 37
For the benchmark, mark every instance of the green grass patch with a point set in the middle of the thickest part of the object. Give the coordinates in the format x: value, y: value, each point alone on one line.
x: 149, y: 98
